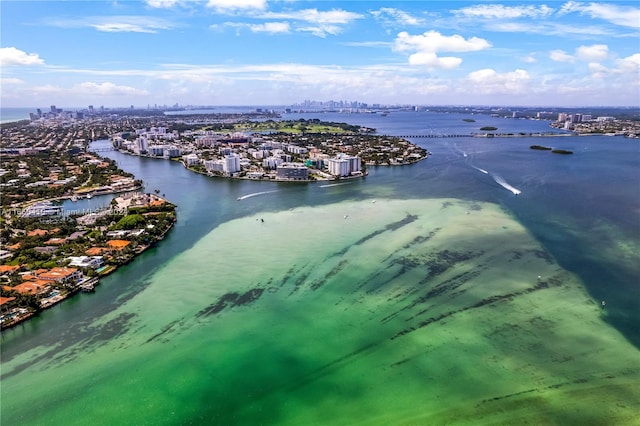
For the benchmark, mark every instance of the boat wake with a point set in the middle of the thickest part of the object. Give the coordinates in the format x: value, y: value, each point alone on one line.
x: 334, y: 184
x: 503, y: 183
x: 499, y: 180
x: 255, y: 194
x: 481, y: 170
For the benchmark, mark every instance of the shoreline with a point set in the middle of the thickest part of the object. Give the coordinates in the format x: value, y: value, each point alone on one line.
x: 88, y: 285
x: 267, y: 179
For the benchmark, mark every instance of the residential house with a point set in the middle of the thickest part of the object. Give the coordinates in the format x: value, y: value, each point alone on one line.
x: 93, y: 262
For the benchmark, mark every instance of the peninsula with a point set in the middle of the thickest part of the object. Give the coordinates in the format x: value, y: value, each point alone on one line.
x: 300, y: 150
x: 49, y: 254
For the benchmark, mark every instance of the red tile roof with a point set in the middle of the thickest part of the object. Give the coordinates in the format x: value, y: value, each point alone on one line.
x: 4, y: 300
x: 118, y: 244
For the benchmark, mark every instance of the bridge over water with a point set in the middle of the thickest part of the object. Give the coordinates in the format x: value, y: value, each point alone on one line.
x: 436, y: 135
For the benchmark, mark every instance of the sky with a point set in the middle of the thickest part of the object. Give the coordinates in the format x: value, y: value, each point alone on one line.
x: 282, y: 52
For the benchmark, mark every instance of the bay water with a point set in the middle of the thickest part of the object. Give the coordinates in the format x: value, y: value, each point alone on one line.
x: 465, y: 288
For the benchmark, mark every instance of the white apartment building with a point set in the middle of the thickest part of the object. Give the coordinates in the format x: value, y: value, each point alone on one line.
x: 297, y: 149
x: 142, y: 145
x: 191, y: 160
x: 156, y: 150
x: 208, y: 140
x: 214, y: 166
x: 171, y: 151
x: 344, y: 165
x: 355, y: 163
x: 231, y: 163
x: 339, y: 166
x: 272, y: 162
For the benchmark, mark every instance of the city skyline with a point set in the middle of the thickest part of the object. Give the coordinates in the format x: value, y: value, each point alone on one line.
x: 260, y: 52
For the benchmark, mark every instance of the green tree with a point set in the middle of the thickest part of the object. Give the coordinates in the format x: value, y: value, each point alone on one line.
x: 130, y: 221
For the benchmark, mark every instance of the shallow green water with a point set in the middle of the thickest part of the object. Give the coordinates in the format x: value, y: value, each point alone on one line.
x: 359, y: 312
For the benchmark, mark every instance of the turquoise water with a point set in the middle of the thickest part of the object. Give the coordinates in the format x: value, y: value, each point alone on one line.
x: 447, y: 300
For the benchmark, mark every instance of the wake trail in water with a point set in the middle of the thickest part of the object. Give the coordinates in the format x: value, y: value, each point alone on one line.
x: 480, y: 170
x: 503, y: 183
x: 499, y: 180
x: 334, y: 184
x: 255, y: 194
x: 496, y: 177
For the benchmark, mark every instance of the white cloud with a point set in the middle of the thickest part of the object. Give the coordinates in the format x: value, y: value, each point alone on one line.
x: 271, y: 27
x: 630, y: 64
x: 321, y: 30
x: 231, y: 5
x: 488, y: 81
x: 108, y: 89
x: 334, y: 16
x: 316, y: 22
x: 598, y: 70
x: 320, y: 23
x: 121, y: 27
x: 118, y: 23
x: 396, y: 17
x: 10, y: 56
x: 498, y: 11
x: 431, y: 60
x: 162, y: 4
x: 530, y: 59
x: 427, y: 45
x: 267, y: 27
x: 433, y: 41
x: 626, y: 16
x: 10, y: 81
x: 596, y: 52
x: 561, y: 56
x: 548, y: 28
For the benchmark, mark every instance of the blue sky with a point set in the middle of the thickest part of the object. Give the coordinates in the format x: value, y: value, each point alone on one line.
x: 277, y: 52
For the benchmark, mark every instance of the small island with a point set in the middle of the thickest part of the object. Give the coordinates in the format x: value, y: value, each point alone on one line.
x: 488, y: 128
x: 547, y: 148
x: 469, y: 120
